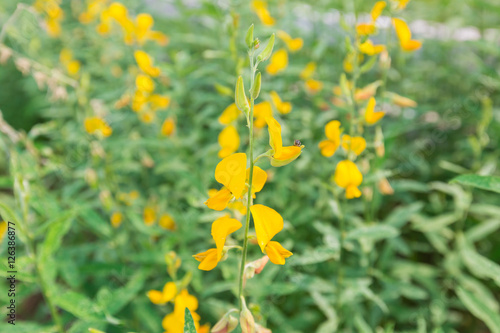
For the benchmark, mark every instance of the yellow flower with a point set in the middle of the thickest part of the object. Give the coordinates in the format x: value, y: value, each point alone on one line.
x: 330, y: 146
x: 313, y: 86
x: 278, y: 62
x: 143, y: 32
x: 166, y: 295
x: 293, y: 44
x: 404, y: 35
x: 277, y: 253
x: 349, y: 60
x: 369, y: 49
x: 230, y: 114
x: 174, y: 322
x: 356, y: 144
x: 116, y: 219
x: 220, y: 199
x: 401, y: 100
x: 97, y: 125
x: 371, y: 117
x: 3, y: 229
x: 259, y: 179
x: 308, y: 71
x: 168, y: 127
x: 144, y: 83
x: 208, y: 259
x: 229, y: 141
x: 231, y: 172
x: 281, y: 155
x: 65, y: 56
x: 145, y: 63
x: 365, y: 29
x: 282, y: 107
x: 158, y: 102
x: 368, y: 91
x: 260, y: 112
x: 348, y: 176
x: 139, y: 99
x: 147, y: 117
x: 73, y: 67
x: 402, y: 3
x: 377, y: 9
x: 221, y: 228
x: 149, y: 216
x: 167, y: 222
x: 267, y: 222
x: 260, y: 8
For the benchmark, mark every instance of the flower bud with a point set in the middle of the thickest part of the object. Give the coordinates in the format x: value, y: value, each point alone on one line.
x: 266, y: 52
x: 247, y: 322
x: 226, y: 324
x: 249, y: 37
x: 256, y: 86
x: 240, y: 97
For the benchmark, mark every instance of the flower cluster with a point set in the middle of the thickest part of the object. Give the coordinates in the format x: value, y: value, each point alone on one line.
x: 53, y: 15
x: 347, y: 175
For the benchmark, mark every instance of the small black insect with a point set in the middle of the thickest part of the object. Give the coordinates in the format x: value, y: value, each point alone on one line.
x: 297, y: 143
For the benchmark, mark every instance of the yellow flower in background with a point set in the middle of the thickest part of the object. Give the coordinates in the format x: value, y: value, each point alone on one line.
x: 371, y: 117
x: 221, y: 228
x: 402, y: 3
x: 367, y: 91
x: 174, y: 322
x: 356, y: 144
x: 400, y: 100
x: 330, y: 146
x: 167, y: 222
x: 116, y: 219
x: 377, y: 9
x: 94, y: 125
x: 313, y: 86
x: 348, y: 176
x: 168, y: 127
x: 158, y: 102
x: 166, y: 295
x: 280, y: 155
x: 145, y: 63
x: 139, y: 100
x: 278, y: 62
x: 147, y: 117
x: 66, y: 58
x: 229, y: 141
x: 142, y: 30
x: 349, y: 61
x: 277, y: 253
x: 282, y: 107
x: 404, y: 35
x: 293, y: 44
x: 149, y: 216
x: 144, y: 83
x: 65, y: 55
x: 260, y: 112
x: 369, y: 49
x: 308, y: 71
x: 260, y: 8
x: 365, y: 29
x: 230, y: 114
x: 3, y: 229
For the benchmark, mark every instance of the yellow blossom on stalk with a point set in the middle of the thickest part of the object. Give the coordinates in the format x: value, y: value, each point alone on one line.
x: 268, y: 223
x: 168, y: 127
x: 282, y: 107
x: 145, y: 63
x: 313, y: 86
x: 143, y: 32
x: 293, y: 44
x: 308, y: 71
x: 367, y: 91
x: 369, y: 49
x: 158, y: 102
x: 377, y: 9
x: 404, y: 35
x: 332, y: 130
x: 260, y: 112
x: 348, y: 176
x: 229, y: 141
x: 278, y: 62
x: 116, y: 219
x: 371, y: 117
x: 95, y: 125
x: 365, y: 29
x: 147, y: 117
x: 144, y: 83
x: 166, y: 295
x: 259, y: 179
x: 139, y: 99
x: 229, y: 114
x: 402, y: 3
x: 167, y: 222
x: 356, y: 144
x: 149, y: 216
x: 260, y: 8
x: 174, y: 322
x: 230, y: 172
x: 280, y: 155
x: 349, y: 60
x: 66, y: 58
x: 94, y: 8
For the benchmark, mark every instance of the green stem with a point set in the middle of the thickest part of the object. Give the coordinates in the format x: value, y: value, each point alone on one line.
x: 250, y: 180
x: 340, y: 270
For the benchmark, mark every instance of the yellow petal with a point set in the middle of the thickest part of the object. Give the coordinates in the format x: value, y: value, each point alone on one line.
x: 167, y: 222
x: 149, y: 216
x: 277, y: 253
x: 185, y: 300
x: 371, y: 117
x: 268, y: 223
x: 168, y: 127
x: 411, y: 45
x: 231, y: 172
x: 404, y: 35
x: 313, y: 86
x: 208, y: 259
x: 229, y: 140
x: 229, y: 114
x: 288, y: 154
x: 221, y: 228
x: 274, y: 128
x: 308, y: 71
x: 355, y: 144
x: 279, y: 61
x: 169, y: 291
x: 260, y: 112
x: 155, y: 296
x: 365, y: 29
x: 352, y: 192
x: 116, y: 219
x: 332, y: 131
x: 282, y: 107
x: 328, y: 147
x: 145, y: 63
x: 144, y: 83
x: 219, y: 200
x: 347, y: 175
x: 377, y: 9
x: 259, y: 179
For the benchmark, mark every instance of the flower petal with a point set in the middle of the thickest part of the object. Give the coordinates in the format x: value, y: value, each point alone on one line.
x: 277, y: 253
x: 219, y: 200
x: 274, y: 128
x: 259, y: 179
x: 221, y: 228
x: 231, y: 172
x: 268, y: 223
x: 208, y: 259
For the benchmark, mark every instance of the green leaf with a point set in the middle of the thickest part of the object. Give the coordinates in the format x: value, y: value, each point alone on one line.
x: 188, y: 322
x: 479, y: 309
x: 375, y: 232
x: 78, y: 305
x: 489, y: 183
x: 480, y: 266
